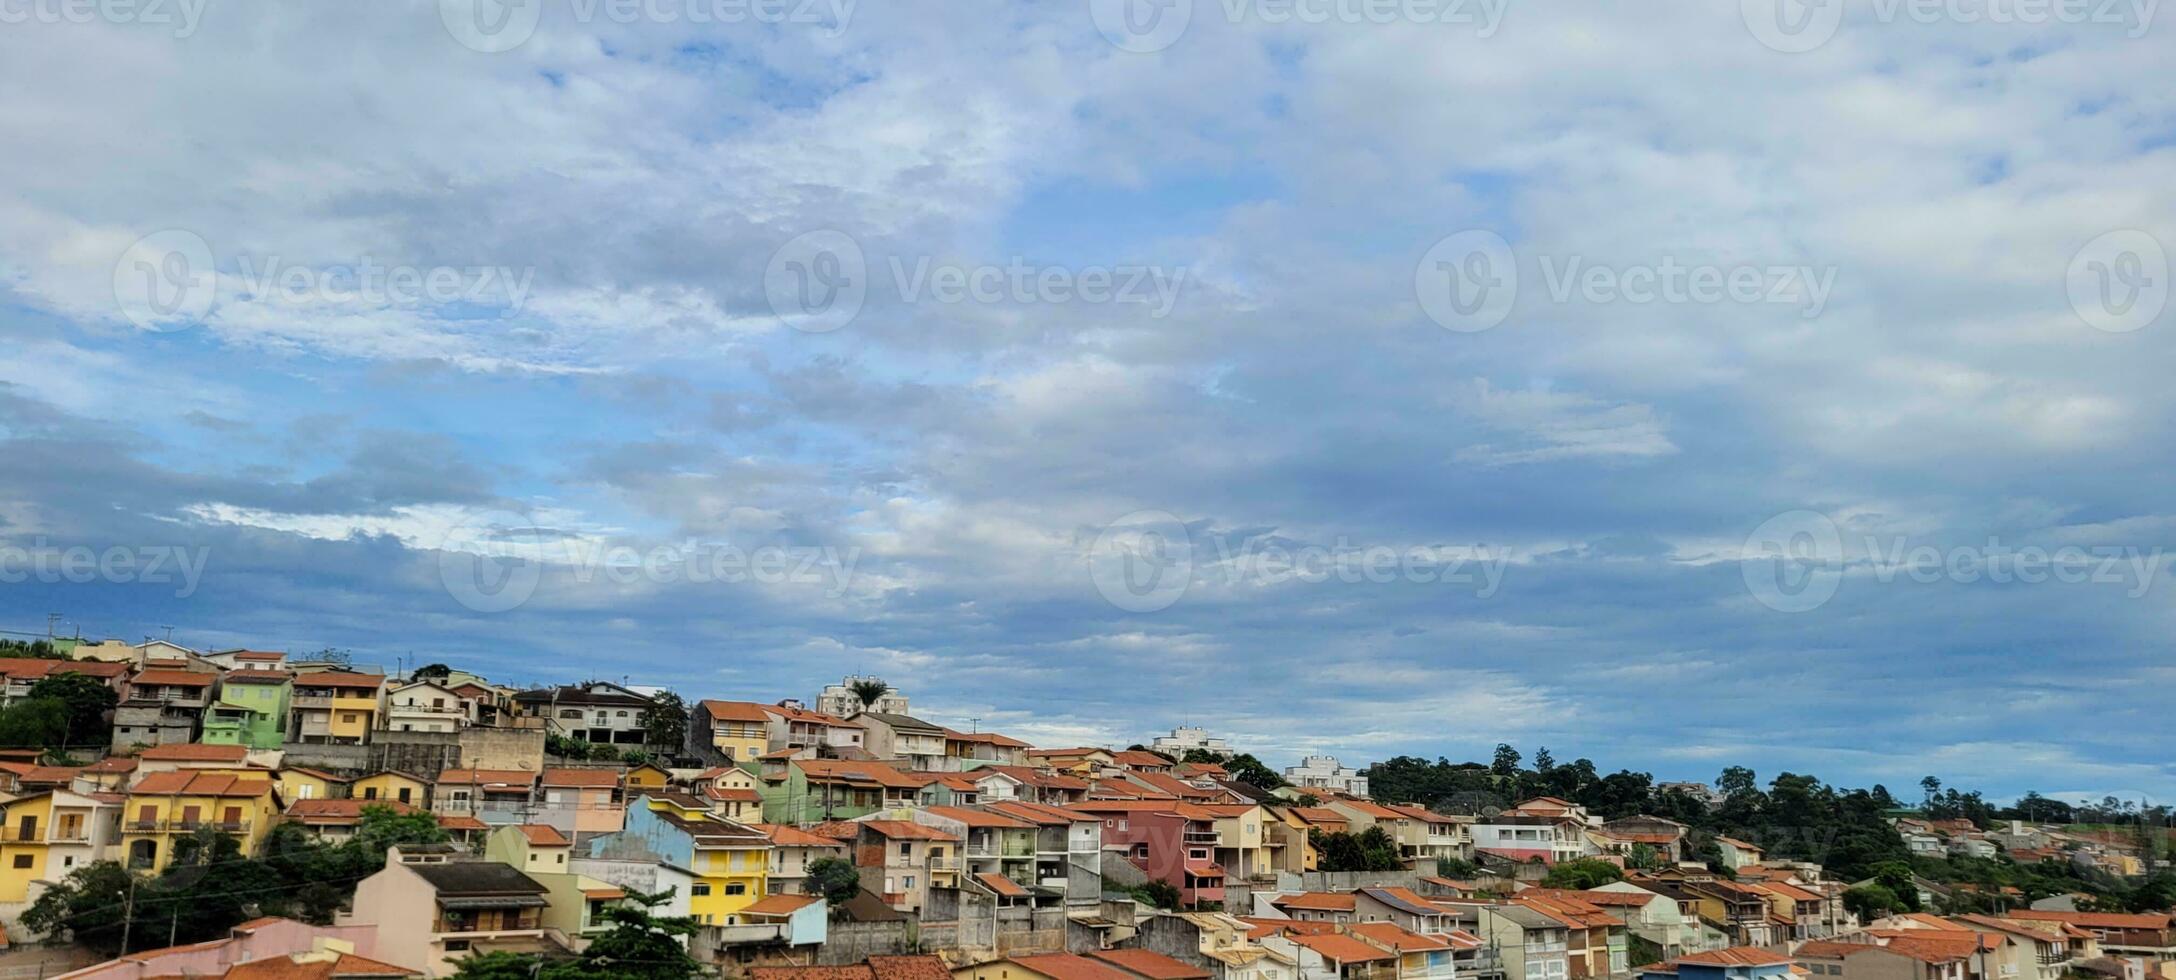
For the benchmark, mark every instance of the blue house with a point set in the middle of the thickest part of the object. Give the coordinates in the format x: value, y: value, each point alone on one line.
x: 1735, y: 963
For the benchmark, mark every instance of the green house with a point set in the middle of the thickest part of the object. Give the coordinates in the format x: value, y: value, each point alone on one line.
x: 251, y: 710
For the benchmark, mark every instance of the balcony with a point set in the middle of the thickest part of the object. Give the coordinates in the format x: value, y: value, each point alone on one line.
x: 1209, y: 838
x: 313, y: 701
x: 945, y: 863
x: 984, y: 850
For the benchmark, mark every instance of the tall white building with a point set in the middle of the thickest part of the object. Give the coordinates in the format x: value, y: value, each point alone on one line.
x: 839, y: 700
x: 1324, y: 772
x: 1186, y: 738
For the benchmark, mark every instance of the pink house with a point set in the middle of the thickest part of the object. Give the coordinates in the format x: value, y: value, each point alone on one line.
x: 1168, y: 840
x: 255, y: 940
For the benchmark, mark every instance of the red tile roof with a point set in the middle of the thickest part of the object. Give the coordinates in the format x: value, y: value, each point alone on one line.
x: 189, y: 752
x: 1002, y: 886
x: 1736, y: 956
x: 1316, y: 901
x: 1067, y: 966
x: 1150, y: 964
x: 451, y: 822
x: 905, y: 830
x: 342, y: 812
x: 978, y: 818
x: 172, y: 678
x: 32, y: 668
x: 190, y: 783
x: 780, y: 904
x: 544, y: 835
x: 1389, y: 936
x: 1343, y: 949
x: 747, y: 712
x: 582, y: 778
x: 258, y: 677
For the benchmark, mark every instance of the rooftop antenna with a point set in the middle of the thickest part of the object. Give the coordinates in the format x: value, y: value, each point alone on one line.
x: 169, y: 633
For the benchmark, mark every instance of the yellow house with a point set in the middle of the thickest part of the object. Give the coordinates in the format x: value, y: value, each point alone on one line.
x: 165, y: 806
x: 297, y: 783
x: 334, y: 706
x: 731, y: 862
x: 529, y: 848
x: 732, y: 794
x: 646, y: 777
x: 46, y: 835
x: 391, y: 784
x: 739, y: 729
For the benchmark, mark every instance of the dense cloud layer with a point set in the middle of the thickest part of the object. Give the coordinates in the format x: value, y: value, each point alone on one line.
x: 523, y: 305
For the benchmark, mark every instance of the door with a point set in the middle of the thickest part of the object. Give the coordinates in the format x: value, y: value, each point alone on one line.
x: 190, y: 815
x: 27, y: 827
x: 231, y: 817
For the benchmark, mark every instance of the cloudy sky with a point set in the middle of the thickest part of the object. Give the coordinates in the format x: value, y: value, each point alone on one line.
x: 1394, y: 378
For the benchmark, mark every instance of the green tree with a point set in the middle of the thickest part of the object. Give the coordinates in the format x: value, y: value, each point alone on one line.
x: 1506, y: 764
x: 1369, y: 850
x: 1450, y: 867
x: 640, y: 944
x: 498, y: 965
x: 1159, y: 893
x: 432, y: 672
x: 868, y: 691
x: 665, y: 722
x: 89, y: 903
x: 1644, y: 857
x: 836, y: 879
x: 1870, y: 902
x: 1582, y: 873
x: 87, y: 701
x: 1250, y: 770
x: 34, y: 723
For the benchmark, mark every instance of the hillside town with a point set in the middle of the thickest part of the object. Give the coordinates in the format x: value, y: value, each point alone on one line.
x: 248, y: 813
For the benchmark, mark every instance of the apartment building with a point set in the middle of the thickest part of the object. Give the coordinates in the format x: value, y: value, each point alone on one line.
x: 335, y: 707
x: 161, y: 707
x: 1325, y: 772
x: 165, y: 806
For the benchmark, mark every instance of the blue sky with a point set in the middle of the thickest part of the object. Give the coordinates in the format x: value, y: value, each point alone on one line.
x: 1570, y: 510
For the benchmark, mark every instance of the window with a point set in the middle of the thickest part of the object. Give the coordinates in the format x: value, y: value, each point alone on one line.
x: 22, y: 860
x: 699, y: 890
x: 737, y: 888
x: 456, y: 945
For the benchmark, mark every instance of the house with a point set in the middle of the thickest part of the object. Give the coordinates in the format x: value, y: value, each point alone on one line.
x: 1333, y: 907
x: 530, y: 848
x: 1334, y: 956
x: 1533, y: 944
x: 598, y: 712
x: 183, y: 755
x: 1596, y: 943
x: 792, y: 851
x: 1077, y: 761
x: 423, y: 706
x: 19, y: 674
x: 494, y: 796
x: 1528, y: 837
x: 1732, y: 963
x: 300, y: 783
x: 1425, y: 835
x: 1221, y: 943
x: 901, y: 860
x: 738, y: 730
x: 581, y: 801
x: 336, y: 820
x: 1043, y: 966
x: 1741, y: 912
x: 647, y: 776
x: 251, y: 709
x: 871, y: 968
x: 1738, y: 853
x: 804, y: 791
x: 1625, y: 835
x: 334, y: 707
x: 391, y: 784
x: 165, y: 806
x: 2149, y: 936
x: 1185, y: 739
x: 161, y: 707
x: 430, y: 916
x: 1166, y: 839
x: 1403, y: 908
x: 840, y: 701
x: 1650, y: 915
x: 1150, y: 965
x: 730, y: 862
x: 1325, y: 772
x: 260, y: 949
x: 1420, y: 957
x: 968, y: 750
x: 775, y: 930
x: 1931, y: 957
x: 731, y: 792
x: 909, y: 740
x: 247, y: 659
x: 1068, y: 847
x: 47, y: 834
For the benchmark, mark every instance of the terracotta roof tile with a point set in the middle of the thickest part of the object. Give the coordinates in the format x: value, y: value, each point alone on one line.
x: 1150, y: 964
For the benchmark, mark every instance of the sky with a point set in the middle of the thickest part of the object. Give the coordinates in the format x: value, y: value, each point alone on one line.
x: 1672, y: 385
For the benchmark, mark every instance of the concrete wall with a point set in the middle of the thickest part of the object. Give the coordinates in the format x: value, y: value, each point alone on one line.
x: 427, y: 753
x: 851, y: 942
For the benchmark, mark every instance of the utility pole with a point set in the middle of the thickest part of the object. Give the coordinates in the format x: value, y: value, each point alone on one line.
x: 128, y: 912
x: 51, y: 620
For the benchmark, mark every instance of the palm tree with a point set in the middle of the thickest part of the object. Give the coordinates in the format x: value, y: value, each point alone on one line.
x: 869, y: 690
